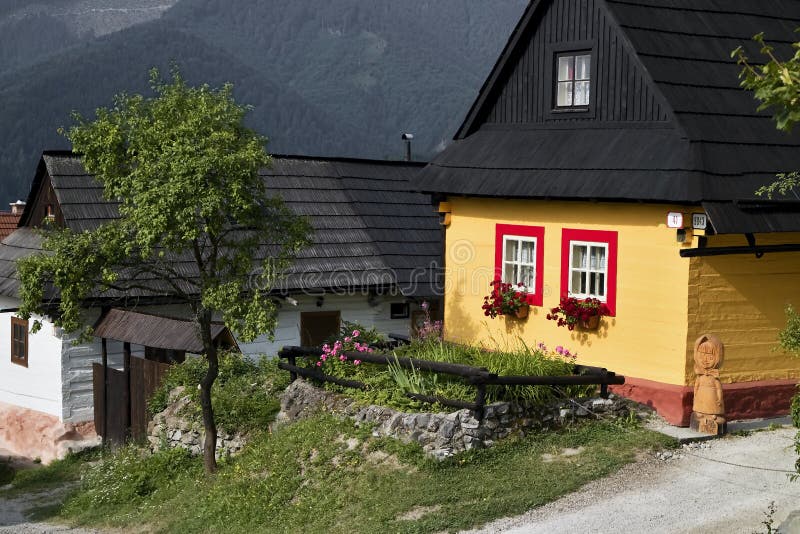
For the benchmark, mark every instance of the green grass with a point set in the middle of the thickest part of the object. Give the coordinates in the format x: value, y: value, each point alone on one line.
x: 56, y: 474
x: 304, y: 478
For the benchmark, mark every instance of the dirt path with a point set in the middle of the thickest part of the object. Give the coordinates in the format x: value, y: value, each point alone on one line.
x: 13, y: 515
x: 702, y: 488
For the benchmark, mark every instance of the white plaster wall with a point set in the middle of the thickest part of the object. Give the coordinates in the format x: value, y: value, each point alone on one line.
x: 38, y: 386
x: 353, y: 308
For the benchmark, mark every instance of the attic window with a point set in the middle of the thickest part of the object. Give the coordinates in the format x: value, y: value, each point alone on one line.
x: 573, y: 82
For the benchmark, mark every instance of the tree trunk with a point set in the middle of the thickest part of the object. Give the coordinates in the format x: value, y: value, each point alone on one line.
x: 209, y: 425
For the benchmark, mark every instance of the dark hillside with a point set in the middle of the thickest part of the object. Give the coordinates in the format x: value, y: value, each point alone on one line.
x: 334, y: 78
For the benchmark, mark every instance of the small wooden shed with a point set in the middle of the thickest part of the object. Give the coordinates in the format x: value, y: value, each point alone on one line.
x: 120, y: 396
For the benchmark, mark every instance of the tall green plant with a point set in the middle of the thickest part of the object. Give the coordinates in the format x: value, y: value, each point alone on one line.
x: 196, y: 222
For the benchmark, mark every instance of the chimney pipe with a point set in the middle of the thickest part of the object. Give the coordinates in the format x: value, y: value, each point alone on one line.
x: 407, y: 137
x: 17, y: 207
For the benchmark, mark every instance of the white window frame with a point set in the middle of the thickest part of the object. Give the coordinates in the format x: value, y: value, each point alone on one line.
x: 518, y: 263
x: 588, y: 270
x: 573, y: 55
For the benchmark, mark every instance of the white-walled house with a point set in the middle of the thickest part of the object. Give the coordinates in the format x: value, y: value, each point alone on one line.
x: 374, y: 259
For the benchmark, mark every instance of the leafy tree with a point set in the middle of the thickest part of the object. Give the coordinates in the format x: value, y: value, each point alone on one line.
x: 776, y: 83
x: 196, y: 222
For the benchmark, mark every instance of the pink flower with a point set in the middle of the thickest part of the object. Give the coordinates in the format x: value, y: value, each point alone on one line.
x: 541, y: 346
x: 424, y: 305
x: 363, y: 348
x: 356, y: 362
x: 342, y: 358
x: 348, y: 339
x: 560, y: 349
x: 323, y: 357
x: 319, y: 364
x: 326, y: 348
x: 356, y: 333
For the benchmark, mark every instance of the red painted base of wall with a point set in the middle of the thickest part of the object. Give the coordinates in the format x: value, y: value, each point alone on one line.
x: 31, y: 434
x: 743, y: 400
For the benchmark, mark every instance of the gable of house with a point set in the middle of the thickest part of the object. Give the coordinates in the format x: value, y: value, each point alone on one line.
x: 666, y: 119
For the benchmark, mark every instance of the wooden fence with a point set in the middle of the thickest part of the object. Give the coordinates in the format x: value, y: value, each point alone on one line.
x: 480, y: 377
x: 121, y: 413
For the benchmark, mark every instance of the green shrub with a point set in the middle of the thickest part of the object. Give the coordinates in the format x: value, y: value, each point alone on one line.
x: 789, y: 337
x: 6, y: 473
x: 796, y: 410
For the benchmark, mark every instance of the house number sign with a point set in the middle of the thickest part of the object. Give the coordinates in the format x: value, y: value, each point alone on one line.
x: 674, y: 219
x: 699, y: 221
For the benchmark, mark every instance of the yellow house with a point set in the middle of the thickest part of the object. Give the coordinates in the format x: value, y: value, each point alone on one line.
x: 612, y: 154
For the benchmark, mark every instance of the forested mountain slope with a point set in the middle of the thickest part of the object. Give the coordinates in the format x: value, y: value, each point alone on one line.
x: 335, y: 78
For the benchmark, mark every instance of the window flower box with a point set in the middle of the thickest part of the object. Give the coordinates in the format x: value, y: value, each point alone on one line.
x: 583, y: 313
x: 507, y: 299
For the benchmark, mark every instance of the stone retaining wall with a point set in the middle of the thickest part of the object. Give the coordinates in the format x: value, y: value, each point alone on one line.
x: 174, y: 428
x: 444, y: 434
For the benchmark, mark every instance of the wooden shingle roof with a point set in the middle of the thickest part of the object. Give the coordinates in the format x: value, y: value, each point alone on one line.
x: 670, y: 123
x: 370, y: 230
x: 157, y: 331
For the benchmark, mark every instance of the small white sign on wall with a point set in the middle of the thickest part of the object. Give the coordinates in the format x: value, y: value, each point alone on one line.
x: 699, y: 221
x: 674, y: 219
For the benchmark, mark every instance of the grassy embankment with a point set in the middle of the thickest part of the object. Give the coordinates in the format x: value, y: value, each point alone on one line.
x: 326, y: 475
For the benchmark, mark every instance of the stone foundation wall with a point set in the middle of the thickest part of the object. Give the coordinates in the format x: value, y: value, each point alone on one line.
x: 445, y: 434
x: 174, y: 428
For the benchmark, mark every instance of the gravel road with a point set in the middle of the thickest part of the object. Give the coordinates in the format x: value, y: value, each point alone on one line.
x: 696, y: 490
x: 13, y: 517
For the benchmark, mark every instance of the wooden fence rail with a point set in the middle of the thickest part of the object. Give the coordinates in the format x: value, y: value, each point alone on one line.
x: 480, y: 377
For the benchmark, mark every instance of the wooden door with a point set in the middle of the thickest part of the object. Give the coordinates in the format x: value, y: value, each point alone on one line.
x: 316, y: 327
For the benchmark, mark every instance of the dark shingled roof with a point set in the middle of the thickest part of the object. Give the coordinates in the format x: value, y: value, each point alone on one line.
x: 713, y: 145
x: 743, y: 217
x: 370, y: 229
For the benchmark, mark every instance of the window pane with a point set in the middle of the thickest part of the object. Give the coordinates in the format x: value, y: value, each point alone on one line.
x: 565, y: 71
x: 527, y: 252
x: 511, y: 249
x: 582, y: 93
x: 579, y: 256
x: 578, y: 282
x: 510, y: 273
x: 582, y: 66
x: 601, y: 285
x: 526, y: 277
x: 564, y: 94
x: 598, y: 259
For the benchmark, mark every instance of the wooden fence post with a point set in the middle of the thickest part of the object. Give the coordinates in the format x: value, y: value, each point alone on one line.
x: 126, y: 368
x: 104, y: 346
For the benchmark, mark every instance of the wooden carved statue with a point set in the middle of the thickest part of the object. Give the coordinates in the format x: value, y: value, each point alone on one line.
x: 708, y: 410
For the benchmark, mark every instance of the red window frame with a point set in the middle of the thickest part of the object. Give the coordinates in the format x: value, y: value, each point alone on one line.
x: 610, y: 238
x: 536, y: 232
